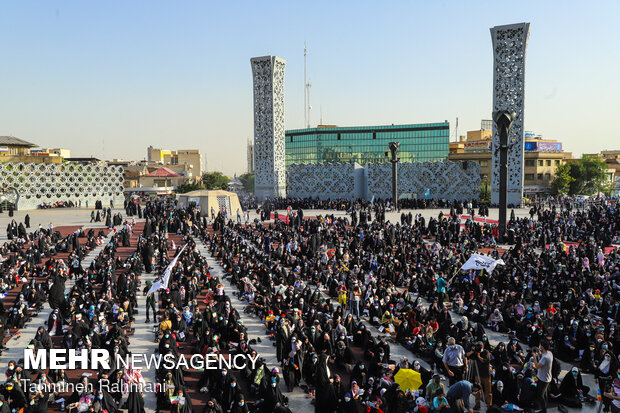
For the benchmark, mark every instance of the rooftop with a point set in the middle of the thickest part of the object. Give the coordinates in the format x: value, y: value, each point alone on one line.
x: 13, y: 141
x: 164, y: 172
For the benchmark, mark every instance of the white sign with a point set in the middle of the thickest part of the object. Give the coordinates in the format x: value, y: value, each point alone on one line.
x: 162, y: 283
x: 481, y: 262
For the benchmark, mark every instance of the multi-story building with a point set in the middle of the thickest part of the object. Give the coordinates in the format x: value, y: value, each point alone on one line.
x: 541, y: 158
x: 364, y: 144
x: 17, y: 150
x: 61, y: 152
x: 191, y: 158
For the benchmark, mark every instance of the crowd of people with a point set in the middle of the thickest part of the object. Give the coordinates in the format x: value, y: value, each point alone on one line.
x: 336, y: 293
x: 555, y: 295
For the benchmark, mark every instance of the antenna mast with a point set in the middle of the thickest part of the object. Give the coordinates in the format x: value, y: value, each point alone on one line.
x: 308, y: 86
x: 305, y: 99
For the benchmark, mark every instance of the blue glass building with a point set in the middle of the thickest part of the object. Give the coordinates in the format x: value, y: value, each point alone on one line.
x: 418, y: 143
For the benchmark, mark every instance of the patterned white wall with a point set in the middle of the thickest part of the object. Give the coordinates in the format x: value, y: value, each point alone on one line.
x: 269, y: 155
x: 48, y: 183
x: 444, y: 180
x: 509, y: 47
x: 326, y: 181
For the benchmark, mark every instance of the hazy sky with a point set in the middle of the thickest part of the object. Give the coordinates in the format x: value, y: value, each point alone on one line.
x: 108, y: 78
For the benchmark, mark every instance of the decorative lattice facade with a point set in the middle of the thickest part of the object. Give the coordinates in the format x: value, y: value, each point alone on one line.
x: 509, y: 46
x: 269, y: 154
x: 31, y: 184
x: 326, y: 181
x: 440, y: 180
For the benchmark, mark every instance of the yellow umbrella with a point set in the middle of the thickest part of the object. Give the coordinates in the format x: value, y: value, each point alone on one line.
x: 408, y: 379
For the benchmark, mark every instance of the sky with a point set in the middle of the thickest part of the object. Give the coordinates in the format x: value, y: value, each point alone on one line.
x: 109, y: 78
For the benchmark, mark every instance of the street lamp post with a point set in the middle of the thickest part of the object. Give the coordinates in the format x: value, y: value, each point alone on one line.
x: 394, y: 160
x: 503, y: 119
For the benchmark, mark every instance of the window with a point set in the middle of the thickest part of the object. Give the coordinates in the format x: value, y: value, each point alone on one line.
x: 547, y: 176
x: 539, y: 177
x: 529, y: 177
x: 530, y: 162
x: 484, y: 163
x: 548, y: 162
x: 557, y: 162
x: 540, y: 162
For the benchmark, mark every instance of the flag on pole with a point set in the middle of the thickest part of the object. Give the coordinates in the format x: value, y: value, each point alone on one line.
x: 162, y: 282
x: 481, y: 262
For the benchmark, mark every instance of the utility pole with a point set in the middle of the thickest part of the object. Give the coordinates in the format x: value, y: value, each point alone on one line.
x: 305, y: 81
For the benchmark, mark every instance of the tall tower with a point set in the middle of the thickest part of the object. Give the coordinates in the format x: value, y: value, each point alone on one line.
x: 269, y: 167
x: 509, y: 46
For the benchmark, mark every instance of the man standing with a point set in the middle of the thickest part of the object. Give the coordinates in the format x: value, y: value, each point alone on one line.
x: 543, y: 365
x: 150, y: 302
x: 454, y: 361
x: 481, y: 374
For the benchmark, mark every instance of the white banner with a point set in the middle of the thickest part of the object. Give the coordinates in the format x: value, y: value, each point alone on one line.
x: 481, y: 262
x: 162, y: 282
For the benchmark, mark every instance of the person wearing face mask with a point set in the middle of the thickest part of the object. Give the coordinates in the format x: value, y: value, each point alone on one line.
x: 499, y: 398
x: 454, y: 361
x: 378, y: 361
x: 273, y: 399
x: 425, y: 373
x: 359, y: 373
x: 104, y: 402
x: 239, y: 405
x: 612, y: 392
x: 229, y: 394
x: 10, y: 371
x: 572, y: 389
x: 606, y: 365
x: 168, y: 343
x: 349, y: 405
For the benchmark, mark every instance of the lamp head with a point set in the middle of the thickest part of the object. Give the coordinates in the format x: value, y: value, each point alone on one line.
x: 504, y: 118
x: 394, y: 149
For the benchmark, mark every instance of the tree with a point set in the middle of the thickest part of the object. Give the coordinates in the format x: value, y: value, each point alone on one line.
x: 189, y: 187
x: 588, y: 175
x: 215, y: 180
x: 248, y: 182
x: 562, y: 182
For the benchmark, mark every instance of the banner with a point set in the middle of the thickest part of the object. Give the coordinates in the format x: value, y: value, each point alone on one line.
x: 162, y: 282
x: 481, y: 262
